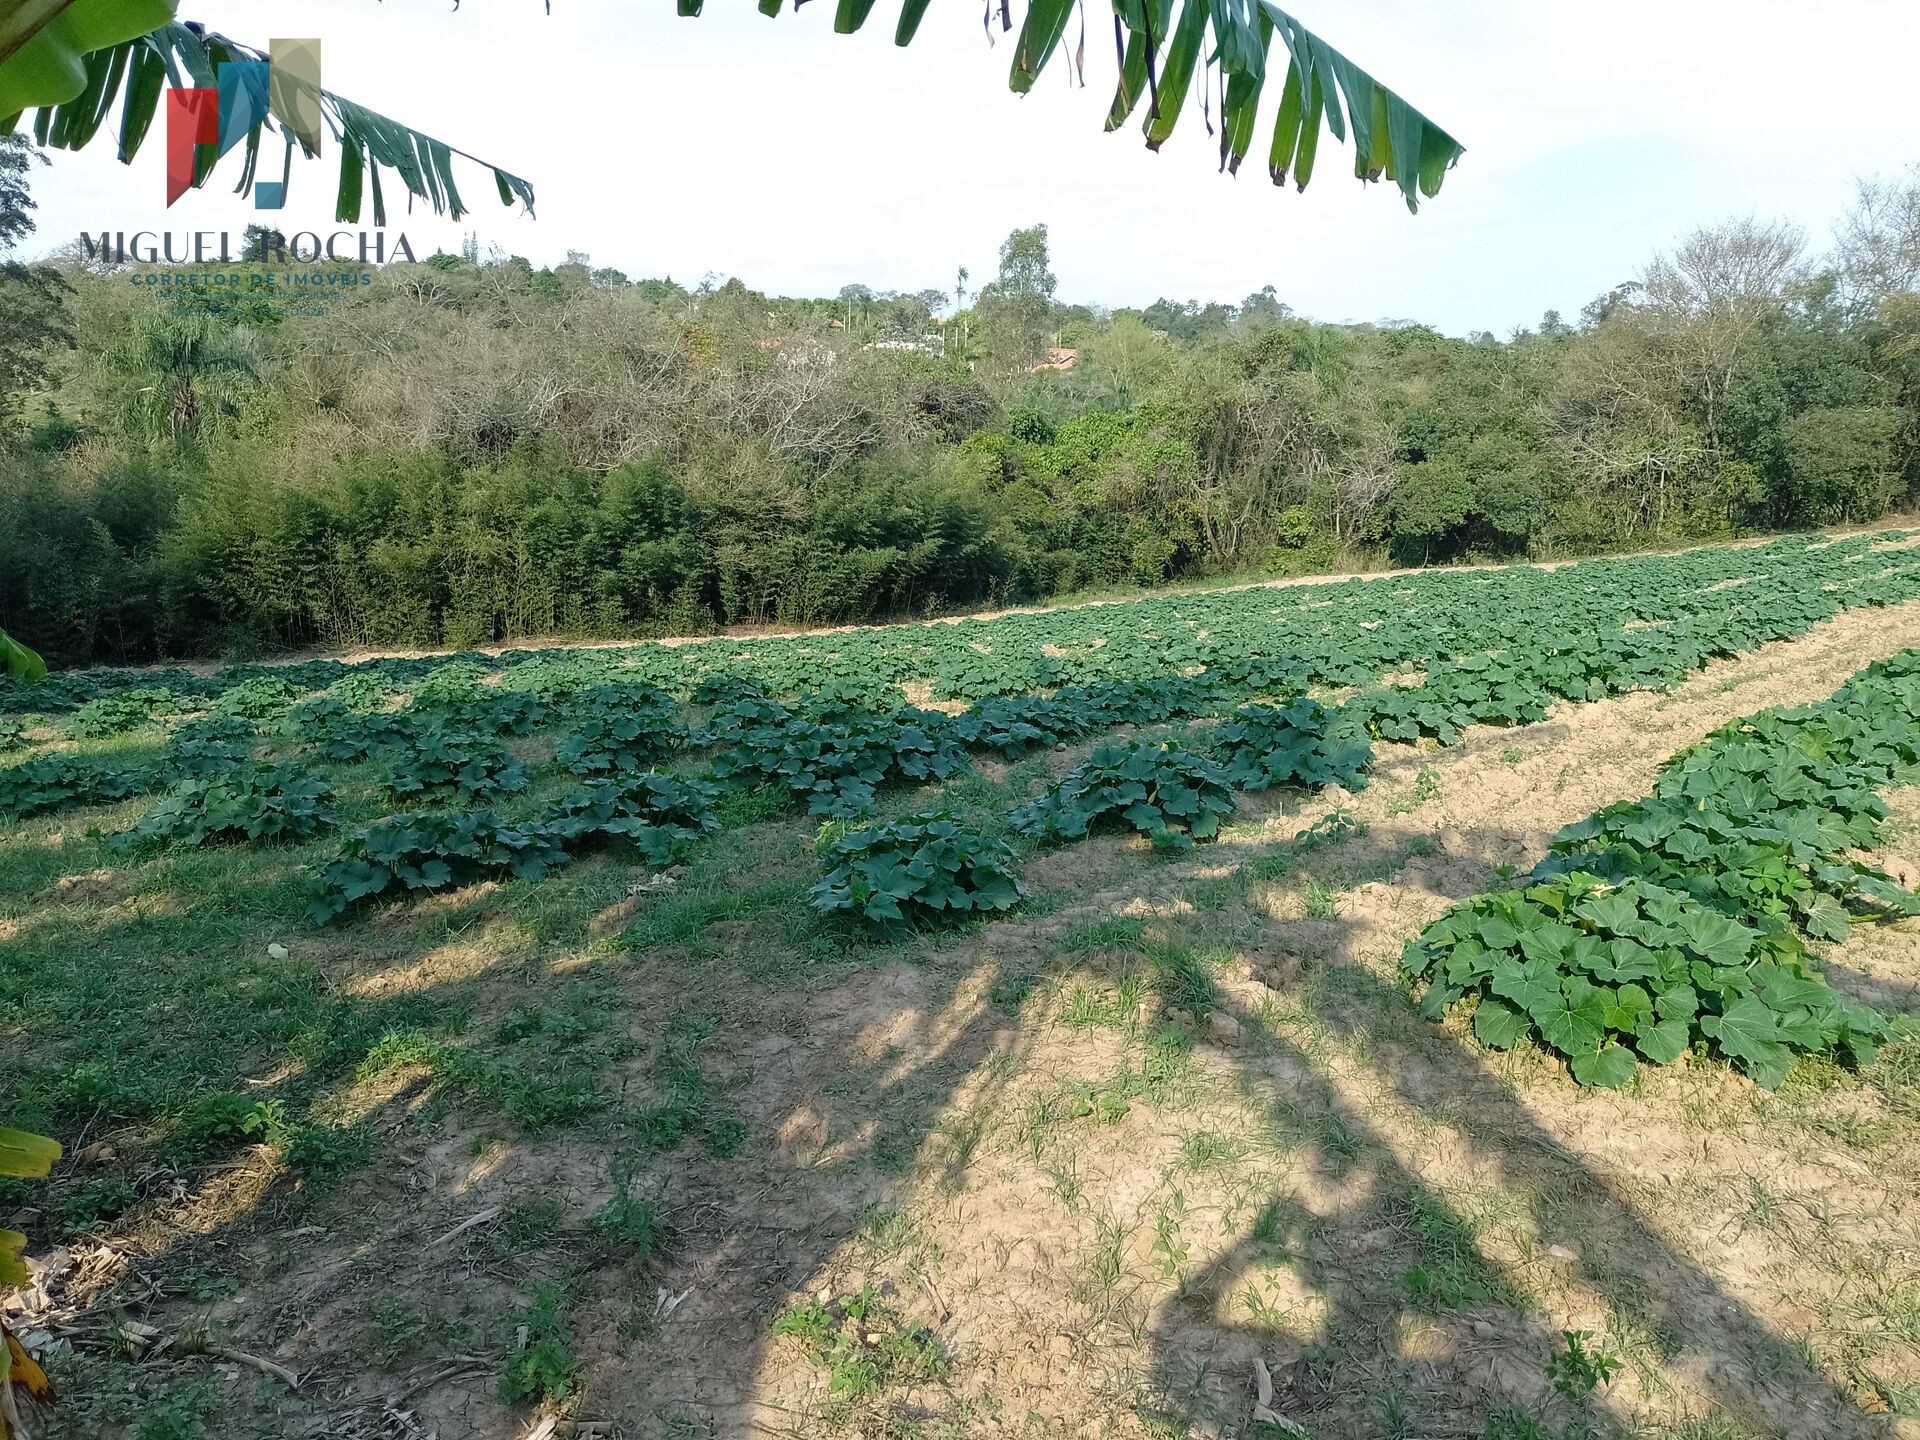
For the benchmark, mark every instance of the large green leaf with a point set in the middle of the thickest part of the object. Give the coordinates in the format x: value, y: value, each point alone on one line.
x: 27, y: 1156
x: 1161, y: 45
x: 137, y: 72
x: 18, y: 663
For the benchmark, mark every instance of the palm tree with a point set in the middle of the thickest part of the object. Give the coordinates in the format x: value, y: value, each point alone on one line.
x: 172, y: 359
x: 71, y: 59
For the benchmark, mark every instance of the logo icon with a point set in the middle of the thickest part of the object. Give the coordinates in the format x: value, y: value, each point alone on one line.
x: 286, y: 86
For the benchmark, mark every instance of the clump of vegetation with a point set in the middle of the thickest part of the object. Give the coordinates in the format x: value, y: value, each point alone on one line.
x: 261, y: 697
x: 119, y: 713
x: 1261, y: 746
x: 835, y: 763
x: 210, y: 745
x: 923, y: 867
x: 861, y: 1343
x: 620, y: 729
x: 56, y: 782
x: 429, y: 756
x: 264, y: 804
x: 542, y: 1364
x: 1667, y: 923
x: 431, y: 850
x: 1169, y: 795
x: 655, y: 814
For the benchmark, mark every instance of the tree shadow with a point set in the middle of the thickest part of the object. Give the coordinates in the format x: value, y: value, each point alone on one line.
x: 1446, y: 1278
x: 855, y: 1075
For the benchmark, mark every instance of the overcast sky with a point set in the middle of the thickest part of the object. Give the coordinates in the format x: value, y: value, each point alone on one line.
x: 800, y: 160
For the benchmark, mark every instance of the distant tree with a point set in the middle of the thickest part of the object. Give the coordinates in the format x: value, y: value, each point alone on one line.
x: 1879, y: 251
x: 1841, y: 462
x: 857, y: 296
x: 262, y: 245
x: 1263, y: 308
x: 1013, y: 308
x: 1709, y: 299
x: 33, y: 298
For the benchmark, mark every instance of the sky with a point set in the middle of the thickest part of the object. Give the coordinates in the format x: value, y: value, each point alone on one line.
x: 801, y: 161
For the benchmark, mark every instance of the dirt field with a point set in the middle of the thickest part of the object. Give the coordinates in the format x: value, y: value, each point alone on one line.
x: 1112, y: 1221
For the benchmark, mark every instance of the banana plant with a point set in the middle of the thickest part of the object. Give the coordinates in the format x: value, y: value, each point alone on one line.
x: 1231, y: 44
x: 19, y: 664
x: 29, y: 1157
x: 71, y: 60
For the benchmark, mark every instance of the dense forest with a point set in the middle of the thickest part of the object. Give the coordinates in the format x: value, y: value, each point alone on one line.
x: 471, y: 449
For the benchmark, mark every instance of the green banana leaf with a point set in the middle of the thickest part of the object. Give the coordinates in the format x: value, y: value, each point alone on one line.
x: 30, y: 1157
x: 76, y: 64
x: 1162, y: 45
x: 26, y: 1156
x: 20, y: 664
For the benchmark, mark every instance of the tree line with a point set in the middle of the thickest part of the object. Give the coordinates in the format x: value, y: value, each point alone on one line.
x: 474, y: 449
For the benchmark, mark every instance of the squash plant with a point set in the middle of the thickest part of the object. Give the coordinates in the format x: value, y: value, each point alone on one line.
x: 919, y: 868
x: 1171, y: 796
x: 432, y: 850
x: 1667, y: 923
x: 1261, y: 746
x: 260, y: 803
x: 654, y: 814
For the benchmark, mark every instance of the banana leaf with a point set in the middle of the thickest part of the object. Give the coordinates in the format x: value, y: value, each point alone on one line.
x: 21, y: 665
x: 1161, y: 44
x: 136, y: 71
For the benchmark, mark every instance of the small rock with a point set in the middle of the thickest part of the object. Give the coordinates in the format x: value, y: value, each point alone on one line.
x: 1565, y: 1254
x: 1452, y: 842
x: 1373, y: 1242
x: 1179, y: 1016
x: 276, y: 951
x: 825, y: 1297
x: 1484, y: 1330
x: 98, y: 1153
x: 1222, y: 1028
x: 873, y: 1337
x: 1336, y: 796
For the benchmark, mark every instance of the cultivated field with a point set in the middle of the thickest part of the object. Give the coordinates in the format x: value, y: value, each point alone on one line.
x: 1327, y: 1010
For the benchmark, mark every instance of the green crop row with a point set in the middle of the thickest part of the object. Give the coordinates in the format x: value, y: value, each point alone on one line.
x: 1674, y: 922
x: 1611, y: 625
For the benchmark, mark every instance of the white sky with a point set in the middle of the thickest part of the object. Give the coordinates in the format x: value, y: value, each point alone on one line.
x: 801, y: 160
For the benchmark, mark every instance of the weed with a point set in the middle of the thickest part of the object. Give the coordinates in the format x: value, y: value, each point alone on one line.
x: 1580, y: 1369
x: 1426, y: 786
x: 1206, y: 1150
x: 861, y: 1343
x: 1167, y: 1241
x: 627, y: 1221
x: 542, y: 1365
x: 1510, y: 1422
